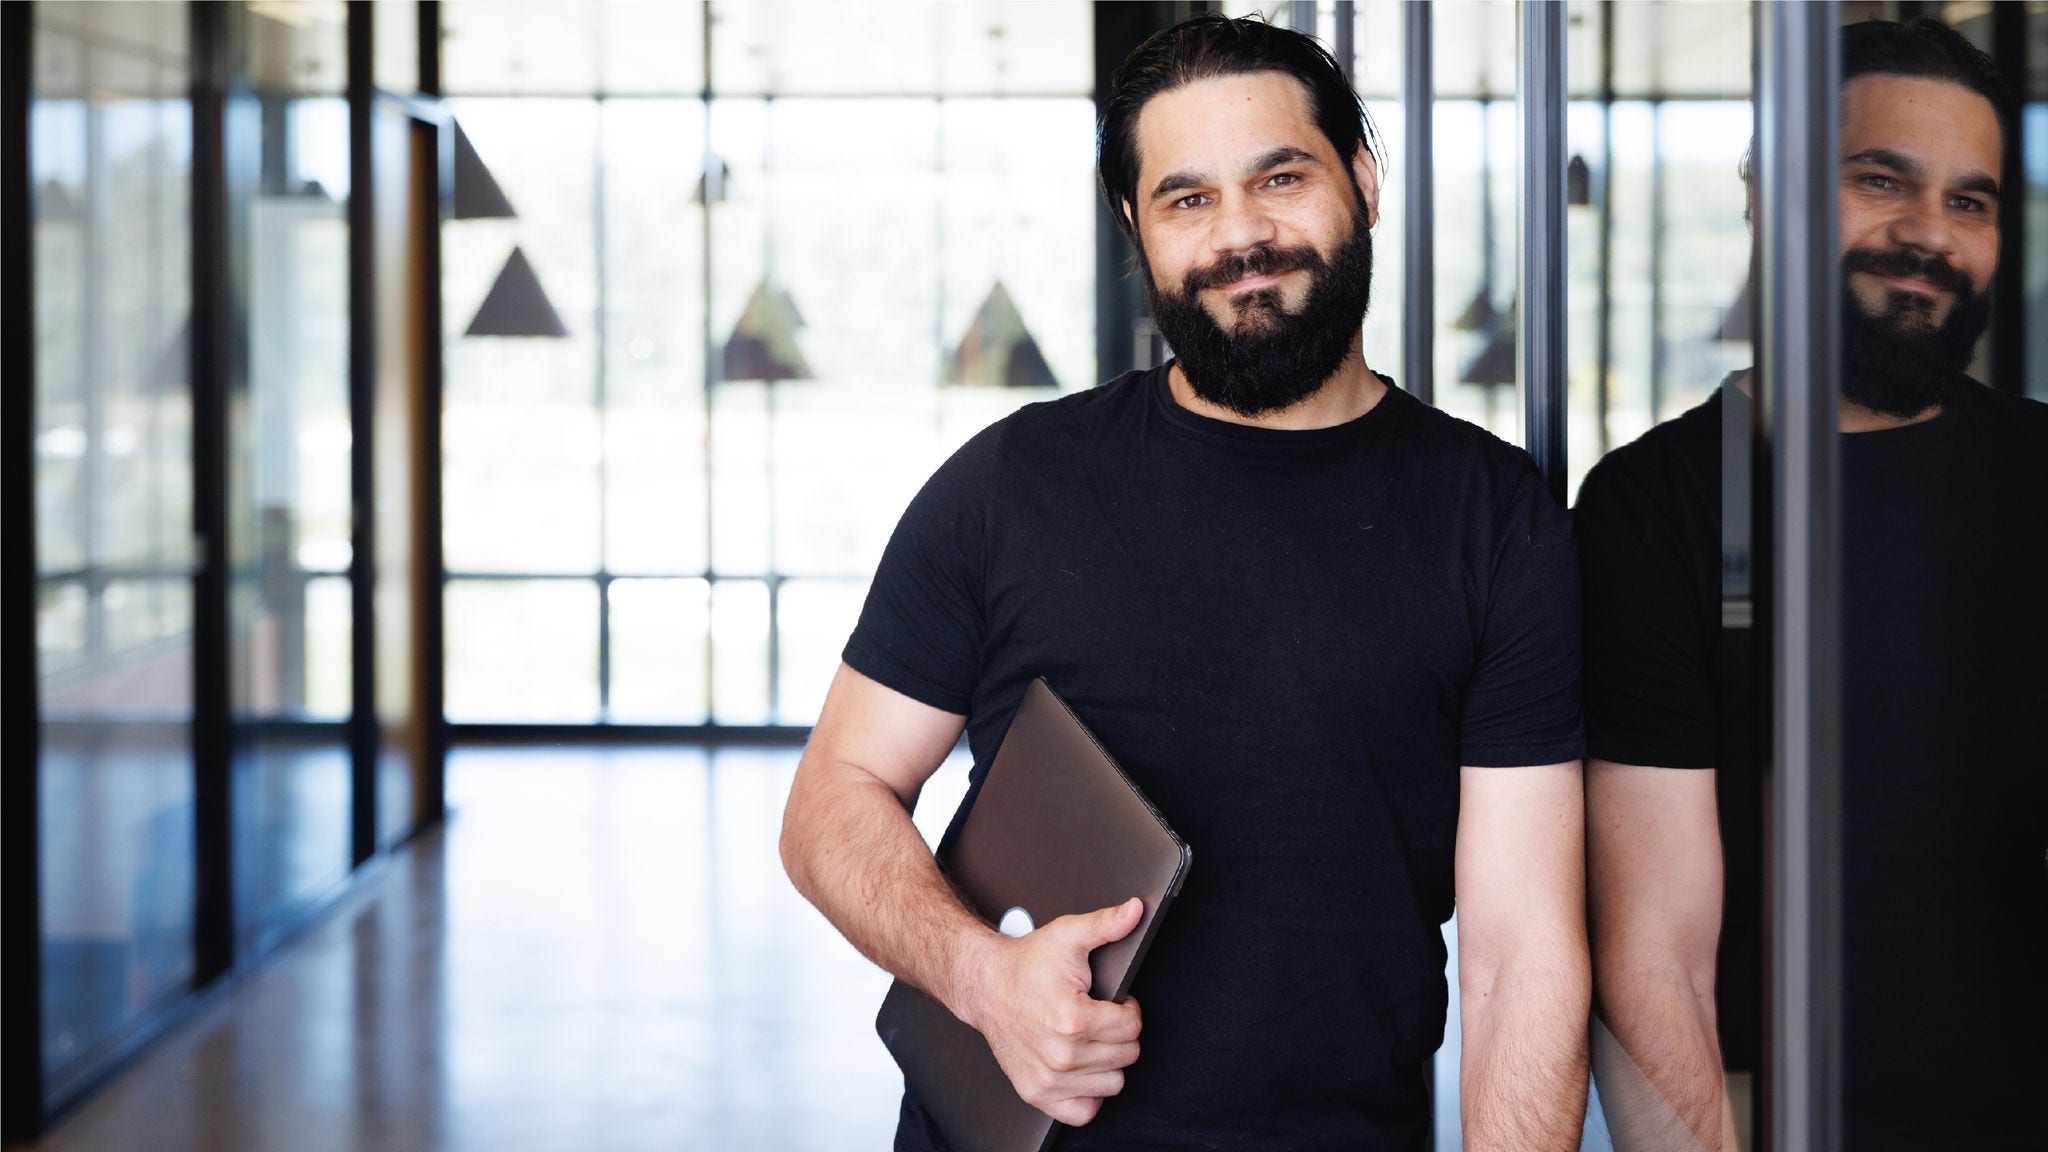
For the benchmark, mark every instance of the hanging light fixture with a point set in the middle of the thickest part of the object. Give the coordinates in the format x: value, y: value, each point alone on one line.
x: 997, y: 350
x: 516, y: 305
x: 477, y: 195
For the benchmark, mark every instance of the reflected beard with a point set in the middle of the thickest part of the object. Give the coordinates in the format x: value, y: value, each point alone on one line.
x: 1898, y: 362
x: 1271, y: 359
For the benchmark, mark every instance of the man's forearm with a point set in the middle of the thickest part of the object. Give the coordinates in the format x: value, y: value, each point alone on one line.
x: 1523, y: 1074
x: 851, y: 850
x: 1659, y: 1062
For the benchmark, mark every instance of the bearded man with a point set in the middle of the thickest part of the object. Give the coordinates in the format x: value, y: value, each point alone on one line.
x: 1944, y: 662
x: 1329, y: 631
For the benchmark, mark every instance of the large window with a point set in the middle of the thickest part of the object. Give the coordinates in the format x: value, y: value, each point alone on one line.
x: 789, y: 289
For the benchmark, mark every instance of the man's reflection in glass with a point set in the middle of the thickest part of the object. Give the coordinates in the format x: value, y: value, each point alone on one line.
x: 1945, y: 681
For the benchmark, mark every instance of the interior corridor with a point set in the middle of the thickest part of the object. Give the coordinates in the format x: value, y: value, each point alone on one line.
x: 599, y: 951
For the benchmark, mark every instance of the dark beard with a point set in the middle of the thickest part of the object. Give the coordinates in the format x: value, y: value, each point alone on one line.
x: 1901, y: 363
x: 1275, y: 358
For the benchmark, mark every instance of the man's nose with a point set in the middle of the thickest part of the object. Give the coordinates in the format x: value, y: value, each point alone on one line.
x: 1241, y: 224
x: 1923, y: 223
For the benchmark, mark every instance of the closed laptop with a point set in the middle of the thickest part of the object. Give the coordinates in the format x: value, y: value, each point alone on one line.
x: 1054, y: 829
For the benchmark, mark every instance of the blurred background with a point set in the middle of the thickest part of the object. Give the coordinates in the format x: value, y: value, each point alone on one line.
x: 447, y: 445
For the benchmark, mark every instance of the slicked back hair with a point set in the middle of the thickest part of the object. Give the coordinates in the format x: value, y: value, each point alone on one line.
x: 1928, y: 49
x: 1204, y: 47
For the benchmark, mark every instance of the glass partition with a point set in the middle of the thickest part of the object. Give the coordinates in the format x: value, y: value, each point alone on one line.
x: 1660, y: 295
x: 111, y: 164
x: 289, y: 435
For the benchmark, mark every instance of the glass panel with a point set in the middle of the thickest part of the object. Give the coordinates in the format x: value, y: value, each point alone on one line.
x: 659, y: 630
x: 395, y: 26
x: 739, y: 652
x: 110, y: 160
x: 813, y: 619
x: 654, y: 515
x: 2034, y: 130
x: 799, y: 48
x: 1943, y: 541
x: 517, y: 47
x: 522, y: 443
x: 522, y: 650
x: 1659, y: 426
x: 289, y: 435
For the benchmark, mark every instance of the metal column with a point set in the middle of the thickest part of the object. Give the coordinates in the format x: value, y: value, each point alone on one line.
x: 1540, y: 341
x: 1418, y: 203
x: 1799, y: 109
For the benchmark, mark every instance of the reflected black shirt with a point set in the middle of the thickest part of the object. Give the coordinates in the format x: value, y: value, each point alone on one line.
x: 1945, y: 743
x: 1291, y: 640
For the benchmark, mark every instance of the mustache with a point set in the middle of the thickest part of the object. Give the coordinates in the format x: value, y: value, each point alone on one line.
x: 1263, y: 260
x: 1906, y: 262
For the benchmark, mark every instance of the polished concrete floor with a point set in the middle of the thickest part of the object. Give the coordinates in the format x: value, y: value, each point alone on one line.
x: 599, y: 953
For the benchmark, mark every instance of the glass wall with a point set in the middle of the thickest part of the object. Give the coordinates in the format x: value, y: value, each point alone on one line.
x: 288, y: 481
x: 790, y: 288
x: 1660, y: 323
x: 111, y: 165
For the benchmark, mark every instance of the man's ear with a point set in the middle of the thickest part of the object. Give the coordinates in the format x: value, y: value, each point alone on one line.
x: 1366, y: 171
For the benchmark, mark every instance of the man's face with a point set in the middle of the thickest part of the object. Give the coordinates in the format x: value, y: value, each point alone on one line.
x: 1919, y: 196
x: 1254, y: 238
x: 1919, y: 236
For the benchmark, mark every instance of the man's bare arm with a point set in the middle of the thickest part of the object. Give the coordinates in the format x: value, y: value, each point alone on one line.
x: 1654, y: 869
x: 850, y: 847
x: 1523, y: 980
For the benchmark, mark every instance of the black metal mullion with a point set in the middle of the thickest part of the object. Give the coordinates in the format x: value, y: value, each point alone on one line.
x: 1799, y: 105
x: 1418, y: 202
x: 1603, y: 358
x: 21, y: 1051
x: 713, y: 185
x: 1539, y: 104
x: 429, y: 32
x: 362, y: 384
x: 432, y: 631
x: 1344, y: 39
x: 600, y: 400
x: 2009, y: 286
x: 213, y: 364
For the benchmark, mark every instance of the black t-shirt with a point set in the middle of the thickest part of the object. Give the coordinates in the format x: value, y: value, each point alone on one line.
x: 1291, y: 640
x: 1945, y: 742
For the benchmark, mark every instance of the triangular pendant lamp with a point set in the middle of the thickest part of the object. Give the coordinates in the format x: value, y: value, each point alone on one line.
x: 1479, y: 316
x: 477, y: 195
x: 714, y: 185
x: 997, y: 350
x: 516, y: 305
x: 763, y: 344
x: 1495, y: 363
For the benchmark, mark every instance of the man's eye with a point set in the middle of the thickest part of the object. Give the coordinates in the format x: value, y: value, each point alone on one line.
x: 1283, y: 179
x: 1874, y: 180
x: 1966, y: 204
x: 1190, y: 201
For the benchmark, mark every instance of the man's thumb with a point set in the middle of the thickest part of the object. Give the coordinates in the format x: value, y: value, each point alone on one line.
x: 1105, y: 925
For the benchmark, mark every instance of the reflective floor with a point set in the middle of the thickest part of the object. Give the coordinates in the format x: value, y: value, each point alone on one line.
x: 600, y: 952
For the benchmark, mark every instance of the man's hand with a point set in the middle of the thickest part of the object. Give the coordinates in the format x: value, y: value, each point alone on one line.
x: 1063, y: 1050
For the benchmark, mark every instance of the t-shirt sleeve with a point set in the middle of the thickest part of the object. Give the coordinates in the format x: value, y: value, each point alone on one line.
x: 1522, y: 707
x: 1649, y: 673
x: 921, y: 628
